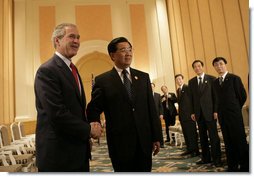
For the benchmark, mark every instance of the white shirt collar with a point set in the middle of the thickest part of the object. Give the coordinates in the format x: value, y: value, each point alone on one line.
x: 119, y: 70
x: 202, y: 76
x: 66, y: 60
x: 224, y: 75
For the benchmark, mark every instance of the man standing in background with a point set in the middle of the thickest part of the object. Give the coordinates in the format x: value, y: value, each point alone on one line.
x: 230, y: 98
x: 202, y: 111
x: 184, y: 111
x: 169, y: 110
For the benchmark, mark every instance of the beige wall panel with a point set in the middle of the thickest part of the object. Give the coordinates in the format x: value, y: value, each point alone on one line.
x: 180, y: 36
x: 46, y: 26
x: 29, y: 127
x: 139, y: 36
x: 94, y: 22
x: 173, y: 36
x: 220, y: 31
x: 188, y: 39
x: 86, y: 66
x: 244, y: 12
x: 6, y: 63
x: 207, y: 35
x: 1, y: 63
x: 236, y: 39
x: 196, y: 31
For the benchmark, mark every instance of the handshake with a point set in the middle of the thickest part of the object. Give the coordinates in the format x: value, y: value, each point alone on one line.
x: 96, y: 130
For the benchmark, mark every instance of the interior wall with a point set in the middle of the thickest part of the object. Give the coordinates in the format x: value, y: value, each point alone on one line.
x: 205, y: 29
x: 7, y: 109
x: 200, y: 29
x: 98, y: 21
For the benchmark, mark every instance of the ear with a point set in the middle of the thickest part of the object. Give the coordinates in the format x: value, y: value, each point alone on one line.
x: 112, y: 56
x: 57, y: 41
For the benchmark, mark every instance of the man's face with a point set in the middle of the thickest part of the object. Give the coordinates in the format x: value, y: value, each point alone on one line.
x: 198, y: 68
x: 164, y: 89
x: 123, y: 55
x: 220, y: 67
x: 179, y: 80
x: 68, y: 45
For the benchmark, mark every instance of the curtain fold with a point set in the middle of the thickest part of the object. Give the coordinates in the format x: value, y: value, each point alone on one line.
x: 7, y: 105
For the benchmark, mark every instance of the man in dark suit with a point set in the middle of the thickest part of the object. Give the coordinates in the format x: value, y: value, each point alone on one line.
x: 159, y: 110
x: 203, y: 112
x: 230, y: 98
x: 184, y: 111
x: 62, y: 131
x: 125, y: 96
x: 169, y: 110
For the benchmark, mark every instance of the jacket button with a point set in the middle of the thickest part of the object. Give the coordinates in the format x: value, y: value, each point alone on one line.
x: 133, y: 109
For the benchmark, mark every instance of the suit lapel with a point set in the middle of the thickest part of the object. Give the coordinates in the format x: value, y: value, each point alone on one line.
x: 226, y: 80
x: 68, y: 74
x: 117, y: 81
x: 204, y: 85
x: 135, y: 81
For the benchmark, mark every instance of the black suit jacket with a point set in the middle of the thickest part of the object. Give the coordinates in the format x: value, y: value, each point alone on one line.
x: 230, y: 97
x: 169, y: 114
x: 202, y: 100
x: 183, y: 99
x: 62, y: 131
x: 127, y: 121
x: 158, y: 104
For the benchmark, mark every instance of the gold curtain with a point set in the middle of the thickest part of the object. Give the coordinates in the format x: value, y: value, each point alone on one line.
x: 6, y: 62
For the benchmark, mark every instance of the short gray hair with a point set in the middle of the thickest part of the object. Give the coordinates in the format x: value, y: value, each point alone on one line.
x: 59, y: 31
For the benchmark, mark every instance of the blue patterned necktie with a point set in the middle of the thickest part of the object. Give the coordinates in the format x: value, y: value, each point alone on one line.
x: 127, y: 83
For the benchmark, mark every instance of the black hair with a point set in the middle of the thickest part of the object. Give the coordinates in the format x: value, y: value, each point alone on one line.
x: 219, y: 59
x: 179, y: 75
x: 196, y: 61
x: 112, y: 46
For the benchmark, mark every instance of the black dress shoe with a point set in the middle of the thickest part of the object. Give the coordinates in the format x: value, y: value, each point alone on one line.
x: 185, y: 153
x: 201, y: 162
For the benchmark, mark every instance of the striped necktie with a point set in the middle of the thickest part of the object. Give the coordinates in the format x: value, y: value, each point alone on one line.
x: 127, y: 83
x: 75, y: 74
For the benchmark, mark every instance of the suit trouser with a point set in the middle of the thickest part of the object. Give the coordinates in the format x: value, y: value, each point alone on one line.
x: 209, y: 128
x: 190, y: 135
x: 84, y: 168
x: 237, y: 149
x: 140, y: 162
x: 161, y: 136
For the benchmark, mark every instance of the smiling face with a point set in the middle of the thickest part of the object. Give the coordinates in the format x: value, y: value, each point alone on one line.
x: 198, y: 68
x: 68, y: 44
x: 179, y: 80
x: 122, y: 57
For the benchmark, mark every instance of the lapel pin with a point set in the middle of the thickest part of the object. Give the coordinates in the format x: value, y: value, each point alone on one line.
x: 206, y: 82
x: 136, y: 77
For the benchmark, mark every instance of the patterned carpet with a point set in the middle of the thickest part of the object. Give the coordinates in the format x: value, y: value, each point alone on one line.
x: 168, y: 160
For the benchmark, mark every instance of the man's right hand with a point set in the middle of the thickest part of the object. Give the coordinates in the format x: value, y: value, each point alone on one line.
x: 193, y: 117
x: 96, y: 130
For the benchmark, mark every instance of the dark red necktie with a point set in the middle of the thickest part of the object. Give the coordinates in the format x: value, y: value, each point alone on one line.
x: 75, y: 74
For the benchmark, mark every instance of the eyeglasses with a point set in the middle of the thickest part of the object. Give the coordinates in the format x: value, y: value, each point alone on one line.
x: 129, y: 49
